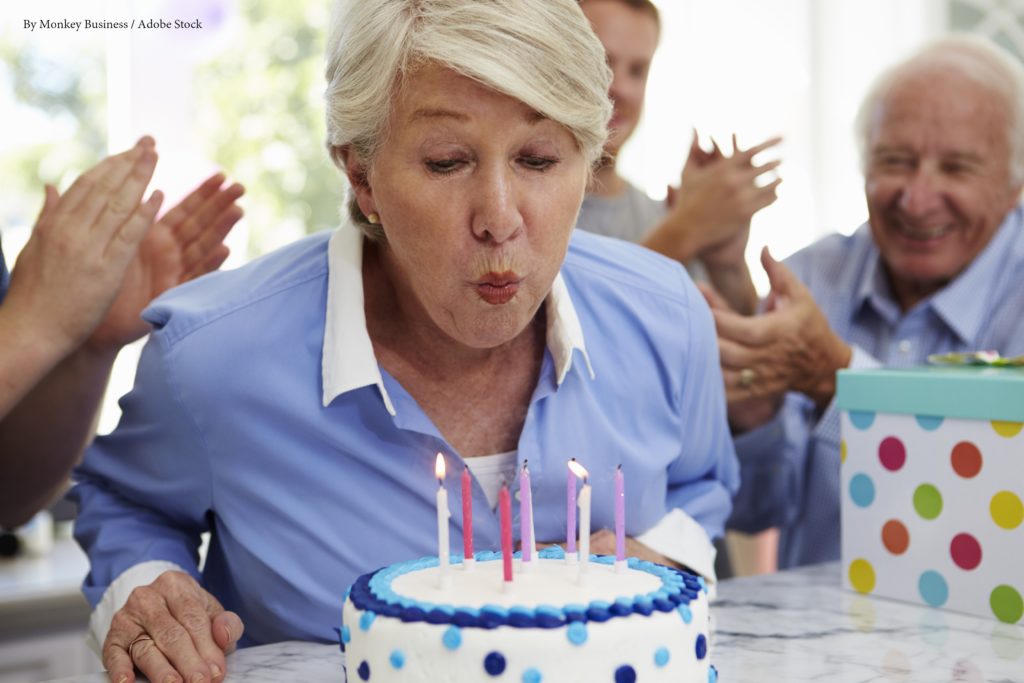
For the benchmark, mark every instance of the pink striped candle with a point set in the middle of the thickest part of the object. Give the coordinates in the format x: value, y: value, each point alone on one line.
x: 570, y: 513
x: 467, y: 515
x: 505, y: 506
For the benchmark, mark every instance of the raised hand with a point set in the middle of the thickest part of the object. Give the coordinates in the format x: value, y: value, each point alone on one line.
x: 171, y: 630
x: 789, y: 347
x: 69, y: 272
x: 185, y: 243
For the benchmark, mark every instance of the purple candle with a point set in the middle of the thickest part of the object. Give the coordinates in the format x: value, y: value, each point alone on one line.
x: 525, y: 514
x: 570, y: 513
x: 620, y: 516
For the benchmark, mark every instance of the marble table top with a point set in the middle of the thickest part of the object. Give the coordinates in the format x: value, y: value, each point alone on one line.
x: 794, y: 626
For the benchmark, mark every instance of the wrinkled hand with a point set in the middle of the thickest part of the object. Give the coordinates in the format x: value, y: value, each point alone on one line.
x: 188, y: 241
x: 603, y: 543
x: 789, y: 347
x: 711, y: 210
x: 70, y: 270
x: 188, y: 631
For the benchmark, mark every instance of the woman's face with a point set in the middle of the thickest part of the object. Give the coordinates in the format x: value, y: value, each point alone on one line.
x: 477, y: 195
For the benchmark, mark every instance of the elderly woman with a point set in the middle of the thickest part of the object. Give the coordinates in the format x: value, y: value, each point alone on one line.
x: 293, y: 408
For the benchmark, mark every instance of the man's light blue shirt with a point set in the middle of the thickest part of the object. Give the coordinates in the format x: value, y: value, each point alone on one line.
x: 790, y: 466
x: 261, y: 415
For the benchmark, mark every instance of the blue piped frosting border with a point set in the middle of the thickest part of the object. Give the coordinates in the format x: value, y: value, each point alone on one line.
x: 372, y: 593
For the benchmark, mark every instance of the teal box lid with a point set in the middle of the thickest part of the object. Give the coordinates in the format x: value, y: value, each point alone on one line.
x: 972, y: 393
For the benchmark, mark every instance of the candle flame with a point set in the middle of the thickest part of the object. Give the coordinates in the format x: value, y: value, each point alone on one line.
x: 578, y: 469
x: 439, y: 467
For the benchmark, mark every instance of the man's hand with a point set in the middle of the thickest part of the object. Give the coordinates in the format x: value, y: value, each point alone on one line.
x: 171, y: 630
x: 188, y: 241
x: 789, y: 347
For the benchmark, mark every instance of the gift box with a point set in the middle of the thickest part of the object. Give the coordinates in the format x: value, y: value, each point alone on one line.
x: 932, y: 487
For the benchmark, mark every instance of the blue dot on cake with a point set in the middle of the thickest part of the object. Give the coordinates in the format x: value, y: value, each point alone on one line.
x: 712, y: 674
x: 346, y: 634
x: 494, y: 663
x: 686, y: 613
x: 702, y: 646
x: 364, y: 671
x: 625, y: 674
x: 366, y: 620
x: 452, y: 638
x: 577, y: 633
x: 532, y: 676
x: 397, y: 659
x: 661, y: 657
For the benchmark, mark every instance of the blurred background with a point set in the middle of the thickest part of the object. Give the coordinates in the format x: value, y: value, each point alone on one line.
x: 244, y: 94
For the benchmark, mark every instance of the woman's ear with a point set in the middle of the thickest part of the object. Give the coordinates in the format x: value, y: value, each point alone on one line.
x: 356, y: 172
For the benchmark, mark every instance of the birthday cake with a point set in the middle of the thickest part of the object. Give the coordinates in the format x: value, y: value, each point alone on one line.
x: 638, y: 622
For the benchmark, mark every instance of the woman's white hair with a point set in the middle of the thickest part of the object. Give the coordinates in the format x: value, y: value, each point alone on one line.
x: 540, y: 52
x: 976, y: 59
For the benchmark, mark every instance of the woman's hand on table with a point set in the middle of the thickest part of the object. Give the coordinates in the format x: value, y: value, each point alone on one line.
x: 170, y: 630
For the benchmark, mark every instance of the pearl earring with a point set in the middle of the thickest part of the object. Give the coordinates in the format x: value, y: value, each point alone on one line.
x: 374, y: 218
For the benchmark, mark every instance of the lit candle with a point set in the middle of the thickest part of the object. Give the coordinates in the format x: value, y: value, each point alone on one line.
x: 526, y: 517
x: 443, y: 514
x: 505, y: 505
x: 584, y: 505
x: 570, y: 515
x: 620, y: 520
x: 467, y: 519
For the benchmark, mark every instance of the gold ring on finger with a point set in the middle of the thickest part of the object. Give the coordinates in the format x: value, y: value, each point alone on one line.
x: 142, y: 637
x: 747, y: 376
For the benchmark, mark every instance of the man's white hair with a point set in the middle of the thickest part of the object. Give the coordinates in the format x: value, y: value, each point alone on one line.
x: 973, y: 57
x: 540, y: 52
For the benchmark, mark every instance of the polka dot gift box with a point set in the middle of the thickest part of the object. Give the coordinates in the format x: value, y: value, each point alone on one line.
x: 933, y: 487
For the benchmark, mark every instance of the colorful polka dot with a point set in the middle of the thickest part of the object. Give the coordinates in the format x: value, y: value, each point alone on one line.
x: 366, y: 620
x: 892, y: 453
x: 1007, y: 510
x: 701, y: 646
x: 577, y: 633
x: 625, y: 674
x: 895, y: 537
x: 862, y: 490
x: 712, y: 674
x: 842, y: 452
x: 927, y: 501
x: 1006, y: 604
x: 686, y: 613
x: 933, y: 588
x: 532, y: 676
x: 661, y: 657
x: 397, y: 659
x: 346, y: 634
x: 862, y: 576
x: 364, y: 671
x: 966, y: 459
x: 494, y: 663
x: 929, y: 423
x: 965, y: 551
x: 862, y: 419
x: 452, y: 638
x: 1007, y: 430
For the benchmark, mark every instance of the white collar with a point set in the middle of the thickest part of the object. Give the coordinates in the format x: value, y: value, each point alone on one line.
x: 348, y: 361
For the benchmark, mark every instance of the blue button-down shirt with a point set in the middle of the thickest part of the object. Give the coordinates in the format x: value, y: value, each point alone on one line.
x: 260, y: 414
x: 790, y: 466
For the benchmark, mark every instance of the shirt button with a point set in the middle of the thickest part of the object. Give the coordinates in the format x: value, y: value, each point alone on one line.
x: 904, y: 346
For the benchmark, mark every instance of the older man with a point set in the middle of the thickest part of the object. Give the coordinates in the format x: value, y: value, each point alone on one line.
x: 937, y: 268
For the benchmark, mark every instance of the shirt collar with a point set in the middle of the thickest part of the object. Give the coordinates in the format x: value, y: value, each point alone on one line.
x: 348, y: 360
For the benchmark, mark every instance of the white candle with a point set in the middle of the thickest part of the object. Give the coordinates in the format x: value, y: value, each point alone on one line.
x: 584, y: 506
x: 442, y: 524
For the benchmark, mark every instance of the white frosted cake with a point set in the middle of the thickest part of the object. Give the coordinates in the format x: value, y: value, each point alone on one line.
x: 645, y: 623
